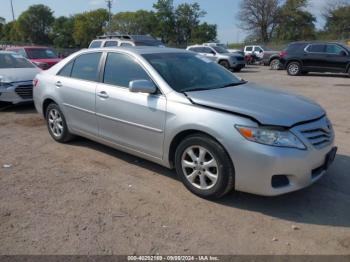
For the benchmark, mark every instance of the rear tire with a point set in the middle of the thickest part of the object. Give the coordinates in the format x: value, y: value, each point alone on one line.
x: 237, y: 69
x: 275, y: 64
x: 294, y: 69
x: 204, y: 167
x: 225, y: 64
x: 57, y: 125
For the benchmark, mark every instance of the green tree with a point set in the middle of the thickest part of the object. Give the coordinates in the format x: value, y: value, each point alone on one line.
x: 338, y: 21
x: 62, y: 32
x: 295, y: 22
x: 34, y: 24
x: 186, y: 20
x: 165, y: 20
x: 204, y: 33
x: 139, y: 22
x: 2, y: 23
x: 88, y: 25
x: 10, y: 32
x: 259, y: 17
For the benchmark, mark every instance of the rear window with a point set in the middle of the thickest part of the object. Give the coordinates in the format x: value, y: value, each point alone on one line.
x: 86, y: 67
x: 249, y: 48
x: 14, y: 61
x: 40, y: 53
x: 95, y: 44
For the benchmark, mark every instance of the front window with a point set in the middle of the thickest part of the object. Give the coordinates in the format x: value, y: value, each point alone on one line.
x: 12, y: 60
x: 334, y: 49
x: 220, y: 49
x: 190, y: 72
x: 121, y: 69
x: 40, y: 53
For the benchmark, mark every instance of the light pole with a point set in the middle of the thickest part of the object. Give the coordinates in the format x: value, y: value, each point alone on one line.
x: 109, y: 5
x: 13, y: 13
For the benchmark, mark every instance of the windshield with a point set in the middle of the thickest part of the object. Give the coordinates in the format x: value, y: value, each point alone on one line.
x: 220, y: 49
x: 40, y: 53
x: 14, y: 61
x: 190, y: 72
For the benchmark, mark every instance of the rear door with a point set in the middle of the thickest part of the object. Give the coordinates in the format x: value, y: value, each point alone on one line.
x: 337, y: 58
x: 132, y: 120
x: 77, y: 83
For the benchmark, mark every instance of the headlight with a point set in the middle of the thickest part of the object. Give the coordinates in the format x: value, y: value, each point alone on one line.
x: 271, y: 137
x: 5, y: 85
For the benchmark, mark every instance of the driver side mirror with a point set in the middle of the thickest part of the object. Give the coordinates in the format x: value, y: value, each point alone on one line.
x: 142, y: 86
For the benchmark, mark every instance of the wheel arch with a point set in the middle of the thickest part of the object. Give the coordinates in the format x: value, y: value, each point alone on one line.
x: 273, y: 58
x: 46, y: 103
x: 182, y: 135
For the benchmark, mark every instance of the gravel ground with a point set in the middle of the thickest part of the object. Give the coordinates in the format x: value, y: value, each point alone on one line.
x: 85, y: 198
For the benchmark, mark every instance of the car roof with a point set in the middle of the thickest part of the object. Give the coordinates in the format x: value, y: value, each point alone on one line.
x: 140, y: 50
x: 29, y: 47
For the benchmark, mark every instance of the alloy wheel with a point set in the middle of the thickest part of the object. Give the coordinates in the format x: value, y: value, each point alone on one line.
x: 55, y: 123
x: 200, y: 167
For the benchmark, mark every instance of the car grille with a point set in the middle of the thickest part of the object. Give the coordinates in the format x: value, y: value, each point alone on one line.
x: 25, y: 91
x: 320, y: 135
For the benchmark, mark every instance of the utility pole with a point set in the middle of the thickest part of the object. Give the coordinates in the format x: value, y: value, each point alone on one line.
x: 13, y: 13
x: 109, y: 5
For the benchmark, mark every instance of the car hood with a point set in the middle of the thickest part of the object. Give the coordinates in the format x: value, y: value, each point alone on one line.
x: 267, y: 106
x: 11, y: 75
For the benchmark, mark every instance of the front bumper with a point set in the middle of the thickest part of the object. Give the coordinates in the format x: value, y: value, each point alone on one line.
x: 238, y: 65
x: 19, y: 93
x: 256, y: 165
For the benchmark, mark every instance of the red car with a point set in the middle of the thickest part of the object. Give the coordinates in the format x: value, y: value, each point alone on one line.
x: 43, y: 57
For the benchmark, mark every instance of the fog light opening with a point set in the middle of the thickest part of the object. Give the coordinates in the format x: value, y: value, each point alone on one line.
x: 279, y: 181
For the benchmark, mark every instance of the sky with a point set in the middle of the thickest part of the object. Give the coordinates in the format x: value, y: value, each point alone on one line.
x: 220, y: 12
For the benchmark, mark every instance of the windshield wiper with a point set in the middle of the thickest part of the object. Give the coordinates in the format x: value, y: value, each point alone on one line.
x: 235, y: 84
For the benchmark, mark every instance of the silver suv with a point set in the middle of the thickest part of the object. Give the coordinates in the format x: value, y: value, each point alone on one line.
x: 220, y: 55
x: 181, y: 110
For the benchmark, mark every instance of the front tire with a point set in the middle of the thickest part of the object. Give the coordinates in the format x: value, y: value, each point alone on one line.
x: 204, y: 167
x: 57, y: 125
x: 225, y: 64
x: 294, y: 69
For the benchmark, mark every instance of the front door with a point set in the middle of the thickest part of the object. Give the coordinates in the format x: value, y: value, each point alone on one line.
x: 132, y: 120
x: 337, y: 58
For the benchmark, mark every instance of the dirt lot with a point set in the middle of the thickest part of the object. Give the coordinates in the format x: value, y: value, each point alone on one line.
x: 84, y: 198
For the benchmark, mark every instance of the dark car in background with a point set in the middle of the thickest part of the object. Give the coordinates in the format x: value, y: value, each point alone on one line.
x: 302, y: 57
x: 43, y: 57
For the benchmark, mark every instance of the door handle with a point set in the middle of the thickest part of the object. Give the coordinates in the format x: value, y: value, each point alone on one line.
x: 103, y: 94
x: 58, y: 84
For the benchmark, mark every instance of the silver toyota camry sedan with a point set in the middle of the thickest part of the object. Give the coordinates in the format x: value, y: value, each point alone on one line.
x: 183, y: 111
